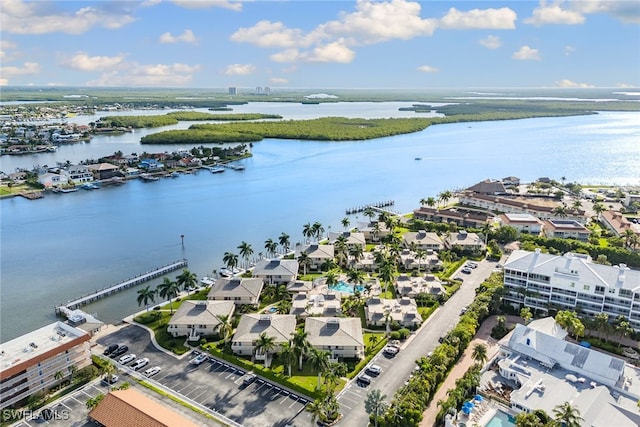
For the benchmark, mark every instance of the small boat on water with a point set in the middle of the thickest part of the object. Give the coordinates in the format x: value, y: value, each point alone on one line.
x: 225, y: 272
x: 418, y: 158
x: 65, y: 190
x: 174, y: 174
x: 216, y: 169
x: 147, y: 177
x: 208, y: 281
x: 89, y: 186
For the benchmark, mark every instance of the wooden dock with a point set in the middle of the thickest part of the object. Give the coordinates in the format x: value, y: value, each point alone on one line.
x: 110, y: 290
x: 378, y: 205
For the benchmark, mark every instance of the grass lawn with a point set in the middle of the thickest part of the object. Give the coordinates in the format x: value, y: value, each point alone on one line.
x: 157, y: 321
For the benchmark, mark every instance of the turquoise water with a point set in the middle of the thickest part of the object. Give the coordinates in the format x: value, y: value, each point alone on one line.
x: 345, y: 287
x: 501, y: 419
x: 67, y: 245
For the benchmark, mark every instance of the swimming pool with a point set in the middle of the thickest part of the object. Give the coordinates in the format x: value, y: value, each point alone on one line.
x: 501, y: 419
x: 346, y: 287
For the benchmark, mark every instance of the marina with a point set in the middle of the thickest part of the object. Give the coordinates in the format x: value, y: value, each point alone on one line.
x: 99, y: 294
x: 363, y: 208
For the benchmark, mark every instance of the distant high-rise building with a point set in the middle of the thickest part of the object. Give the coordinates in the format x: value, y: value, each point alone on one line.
x: 259, y: 90
x: 267, y: 90
x: 233, y: 90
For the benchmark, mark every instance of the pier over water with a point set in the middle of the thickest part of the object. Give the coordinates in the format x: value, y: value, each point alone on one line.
x: 62, y: 309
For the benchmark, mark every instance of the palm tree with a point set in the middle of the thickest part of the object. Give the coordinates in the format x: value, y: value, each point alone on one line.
x: 355, y: 276
x: 270, y: 246
x: 376, y: 404
x: 145, y: 295
x: 345, y: 223
x: 316, y: 409
x: 307, y: 231
x: 72, y: 371
x: 560, y: 211
x: 319, y: 360
x: 265, y: 344
x: 300, y: 343
x: 305, y: 261
x: 108, y: 369
x: 58, y: 375
x: 445, y: 196
x: 93, y: 402
x: 331, y: 278
x: 287, y: 355
x: 356, y: 251
x: 187, y: 280
x: 168, y: 289
x: 431, y: 202
x: 479, y: 354
x: 369, y: 212
x: 624, y: 330
x: 230, y: 259
x: 601, y: 323
x: 224, y: 328
x: 598, y: 208
x: 284, y: 242
x: 245, y: 252
x: 318, y: 230
x: 567, y: 415
x: 284, y: 306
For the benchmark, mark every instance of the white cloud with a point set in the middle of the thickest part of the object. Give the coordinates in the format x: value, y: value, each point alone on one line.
x: 11, y: 71
x: 331, y: 52
x: 428, y: 69
x: 554, y: 14
x: 278, y: 81
x: 526, y: 53
x: 568, y: 50
x: 206, y: 4
x: 271, y: 35
x: 19, y: 17
x: 625, y: 85
x: 149, y: 3
x: 83, y: 62
x: 186, y: 37
x: 491, y: 42
x: 569, y: 84
x: 625, y: 10
x: 496, y: 19
x: 240, y: 69
x: 148, y: 75
x: 5, y: 46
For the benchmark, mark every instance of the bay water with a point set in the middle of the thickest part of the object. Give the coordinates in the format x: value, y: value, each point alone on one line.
x: 66, y: 245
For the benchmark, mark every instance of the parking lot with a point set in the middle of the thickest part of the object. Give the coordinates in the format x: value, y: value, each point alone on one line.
x: 216, y: 385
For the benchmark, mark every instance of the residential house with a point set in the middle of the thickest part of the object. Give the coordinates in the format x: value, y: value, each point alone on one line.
x: 318, y: 255
x: 465, y: 241
x: 572, y: 282
x: 276, y: 271
x: 300, y: 286
x: 151, y: 165
x: 240, y: 290
x: 423, y: 240
x: 341, y: 336
x: 413, y: 286
x: 566, y: 229
x: 522, y: 222
x: 50, y: 179
x: 327, y: 303
x: 410, y: 260
x: 404, y: 311
x: 78, y: 174
x: 619, y: 225
x: 352, y: 238
x: 104, y: 171
x: 252, y: 325
x: 373, y: 231
x: 196, y: 319
x: 511, y: 180
x: 457, y: 216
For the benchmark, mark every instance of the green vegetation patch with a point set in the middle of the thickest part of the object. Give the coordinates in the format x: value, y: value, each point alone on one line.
x: 196, y: 115
x: 197, y: 136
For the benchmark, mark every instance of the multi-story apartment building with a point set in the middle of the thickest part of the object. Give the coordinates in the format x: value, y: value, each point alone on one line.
x: 39, y: 360
x: 572, y: 282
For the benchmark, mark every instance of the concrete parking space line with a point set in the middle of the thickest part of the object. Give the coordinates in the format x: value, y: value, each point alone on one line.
x: 200, y: 394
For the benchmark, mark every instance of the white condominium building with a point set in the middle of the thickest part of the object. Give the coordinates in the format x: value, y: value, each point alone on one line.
x: 572, y: 282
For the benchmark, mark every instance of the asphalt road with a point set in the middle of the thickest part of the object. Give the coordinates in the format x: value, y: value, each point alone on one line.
x: 396, y: 370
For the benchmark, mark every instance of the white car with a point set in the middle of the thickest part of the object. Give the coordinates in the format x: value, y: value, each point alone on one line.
x: 391, y: 350
x: 152, y: 371
x: 374, y: 369
x: 127, y: 358
x: 199, y: 359
x: 140, y: 363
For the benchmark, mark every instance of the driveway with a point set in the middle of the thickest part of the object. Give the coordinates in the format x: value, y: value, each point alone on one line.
x: 216, y: 385
x: 396, y: 371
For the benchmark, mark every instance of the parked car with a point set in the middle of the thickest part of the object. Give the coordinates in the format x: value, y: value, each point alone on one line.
x: 119, y: 351
x: 127, y: 358
x: 199, y: 359
x: 140, y: 363
x: 472, y: 264
x: 152, y: 371
x: 391, y: 350
x: 249, y: 379
x: 466, y: 270
x: 111, y: 349
x: 110, y: 380
x: 364, y: 379
x: 374, y: 369
x: 464, y: 309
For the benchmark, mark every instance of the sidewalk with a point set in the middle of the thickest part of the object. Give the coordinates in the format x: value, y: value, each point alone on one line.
x: 465, y: 362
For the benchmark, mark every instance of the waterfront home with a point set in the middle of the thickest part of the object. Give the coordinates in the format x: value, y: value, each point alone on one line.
x: 404, y: 311
x: 522, y: 222
x: 318, y: 255
x: 537, y: 368
x: 351, y: 238
x: 196, y: 319
x: 300, y: 286
x: 422, y: 240
x: 457, y: 216
x: 618, y: 223
x: 327, y: 303
x: 29, y: 364
x: 373, y: 231
x: 78, y: 174
x: 252, y: 325
x: 276, y: 271
x: 150, y: 165
x: 488, y: 186
x: 130, y: 407
x: 541, y: 281
x: 511, y: 180
x: 50, y: 179
x: 465, y: 241
x: 104, y: 171
x: 240, y: 290
x: 340, y: 336
x: 566, y: 229
x: 410, y: 260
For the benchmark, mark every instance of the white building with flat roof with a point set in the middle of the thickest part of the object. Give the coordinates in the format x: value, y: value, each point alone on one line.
x: 572, y: 282
x: 29, y: 364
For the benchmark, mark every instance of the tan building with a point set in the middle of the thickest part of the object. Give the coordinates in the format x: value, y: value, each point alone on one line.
x: 240, y: 290
x: 276, y: 271
x: 404, y: 311
x: 566, y: 229
x: 29, y: 363
x: 278, y: 326
x: 132, y: 409
x: 523, y: 223
x: 340, y: 336
x: 196, y: 319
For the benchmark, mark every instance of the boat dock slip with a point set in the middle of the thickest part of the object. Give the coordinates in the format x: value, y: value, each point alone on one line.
x: 378, y: 205
x: 87, y: 299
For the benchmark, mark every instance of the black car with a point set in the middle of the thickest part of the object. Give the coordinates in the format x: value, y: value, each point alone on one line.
x: 111, y: 349
x: 119, y: 351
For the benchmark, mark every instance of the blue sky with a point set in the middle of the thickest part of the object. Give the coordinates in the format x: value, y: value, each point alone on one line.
x: 320, y: 44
